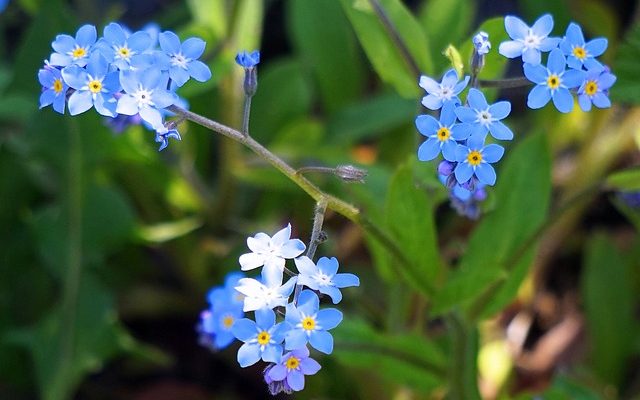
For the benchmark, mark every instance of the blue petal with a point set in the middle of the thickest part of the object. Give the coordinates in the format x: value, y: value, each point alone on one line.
x: 127, y: 105
x: 47, y: 97
x: 265, y: 318
x: 295, y: 380
x: 169, y: 42
x: 574, y: 62
x: 515, y: 27
x: 429, y: 149
x: 111, y: 82
x: 486, y: 174
x: 75, y: 76
x: 574, y: 34
x: 476, y: 100
x: 562, y: 100
x: 105, y: 105
x: 596, y: 47
x: 535, y: 73
x: 272, y: 353
x: 322, y: 341
x: 447, y: 114
x: 601, y: 100
x: 150, y: 78
x: 199, y: 71
x: 459, y: 87
x: 163, y: 98
x: 427, y: 125
x: 114, y: 34
x: 466, y: 114
x: 538, y: 97
x: 63, y: 44
x: 59, y: 103
x: 500, y: 109
x: 80, y: 102
x: 151, y: 116
x: 584, y: 102
x: 46, y: 78
x: 492, y: 153
x: 500, y: 131
x: 193, y: 48
x: 606, y: 80
x: 86, y: 35
x: 590, y: 63
x: 332, y: 292
x: 548, y: 44
x: 244, y: 329
x: 557, y: 62
x: 543, y: 26
x: 278, y: 372
x: 295, y: 339
x: 248, y: 354
x: 531, y: 56
x: 139, y: 41
x: 432, y: 102
x: 309, y: 366
x: 475, y: 142
x: 573, y: 78
x: 461, y: 131
x: 461, y: 153
x: 450, y: 78
x: 178, y: 75
x: 449, y: 150
x: 329, y: 318
x: 428, y: 84
x: 328, y: 265
x: 129, y: 81
x: 511, y: 49
x: 463, y: 172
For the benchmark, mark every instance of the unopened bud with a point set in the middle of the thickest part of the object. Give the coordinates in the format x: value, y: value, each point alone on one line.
x: 349, y: 173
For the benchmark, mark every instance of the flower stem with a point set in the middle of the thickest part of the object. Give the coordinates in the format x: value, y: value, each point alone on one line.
x: 507, y: 83
x: 245, y: 115
x: 318, y: 220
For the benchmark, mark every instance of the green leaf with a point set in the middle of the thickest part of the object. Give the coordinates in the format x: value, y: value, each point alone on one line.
x: 564, y: 388
x: 607, y: 291
x: 385, y: 56
x: 163, y: 232
x: 406, y: 359
x: 495, y: 258
x: 322, y: 36
x: 410, y: 222
x: 627, y: 180
x: 445, y: 22
x: 210, y: 14
x: 627, y: 86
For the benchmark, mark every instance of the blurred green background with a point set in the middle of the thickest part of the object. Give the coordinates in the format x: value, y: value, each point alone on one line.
x: 108, y: 248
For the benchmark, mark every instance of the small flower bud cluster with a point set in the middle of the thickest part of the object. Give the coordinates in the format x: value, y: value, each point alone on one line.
x: 122, y: 75
x: 282, y: 344
x: 572, y: 66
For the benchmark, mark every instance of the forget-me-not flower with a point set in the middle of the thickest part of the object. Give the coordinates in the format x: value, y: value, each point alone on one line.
x: 481, y: 42
x: 595, y: 88
x: 248, y: 60
x: 580, y: 53
x: 163, y: 136
x: 123, y: 49
x: 271, y: 252
x: 528, y: 42
x: 447, y: 90
x: 54, y: 88
x: 145, y: 93
x: 309, y: 324
x: 264, y: 295
x: 441, y: 135
x: 262, y: 338
x: 476, y: 159
x: 94, y: 86
x: 182, y: 59
x: 70, y: 50
x: 288, y: 375
x: 480, y: 117
x: 323, y: 277
x: 553, y: 82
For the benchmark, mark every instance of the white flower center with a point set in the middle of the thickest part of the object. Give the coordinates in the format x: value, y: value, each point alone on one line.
x: 178, y: 60
x: 484, y: 117
x: 143, y: 97
x: 322, y: 279
x: 446, y: 92
x: 123, y: 52
x: 532, y: 41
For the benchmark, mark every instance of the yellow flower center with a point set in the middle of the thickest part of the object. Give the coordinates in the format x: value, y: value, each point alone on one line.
x: 579, y: 52
x: 308, y: 324
x: 263, y: 338
x: 591, y: 88
x: 57, y: 86
x: 443, y: 134
x: 79, y: 52
x: 474, y: 158
x: 553, y: 81
x: 95, y: 86
x: 228, y: 321
x: 293, y: 363
x: 124, y: 52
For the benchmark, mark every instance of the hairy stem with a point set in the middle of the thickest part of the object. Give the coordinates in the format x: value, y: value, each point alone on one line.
x: 318, y: 220
x: 245, y: 115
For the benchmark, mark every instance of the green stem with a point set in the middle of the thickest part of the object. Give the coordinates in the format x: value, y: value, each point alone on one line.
x: 463, y: 374
x: 507, y: 83
x: 318, y: 220
x: 246, y: 114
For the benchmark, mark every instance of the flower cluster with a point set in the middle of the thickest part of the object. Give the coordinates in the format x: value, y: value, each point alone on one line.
x: 460, y: 132
x: 122, y: 75
x: 282, y: 344
x: 572, y: 64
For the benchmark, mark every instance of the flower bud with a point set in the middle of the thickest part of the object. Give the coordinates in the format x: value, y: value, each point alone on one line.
x: 349, y: 173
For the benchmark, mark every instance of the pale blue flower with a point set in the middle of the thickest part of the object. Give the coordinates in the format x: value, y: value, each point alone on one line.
x: 288, y: 375
x: 70, y: 50
x: 476, y: 159
x: 323, y: 277
x: 528, y: 42
x: 580, y: 53
x: 94, y: 86
x: 122, y: 49
x: 595, y: 89
x: 480, y: 117
x: 270, y: 294
x: 481, y: 43
x: 181, y: 59
x: 553, y: 82
x: 54, y: 89
x: 441, y: 135
x: 309, y: 324
x: 163, y: 136
x: 262, y: 338
x: 439, y: 93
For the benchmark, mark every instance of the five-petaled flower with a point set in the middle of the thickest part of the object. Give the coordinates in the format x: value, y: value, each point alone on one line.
x: 265, y: 295
x: 480, y: 117
x: 125, y: 50
x: 595, y: 88
x: 527, y: 41
x: 476, y: 159
x: 310, y: 324
x: 553, y: 82
x: 441, y: 135
x: 262, y: 338
x: 288, y: 375
x: 182, y: 59
x: 54, y: 89
x: 69, y: 50
x: 447, y: 90
x: 323, y: 277
x: 580, y: 53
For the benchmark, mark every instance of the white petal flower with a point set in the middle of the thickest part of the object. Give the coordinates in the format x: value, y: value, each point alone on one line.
x: 324, y: 277
x: 259, y: 295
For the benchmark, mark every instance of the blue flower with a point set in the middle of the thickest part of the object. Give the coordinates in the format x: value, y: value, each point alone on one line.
x: 288, y: 375
x: 481, y: 43
x: 442, y: 135
x: 309, y: 324
x: 181, y: 59
x: 94, y: 86
x: 262, y: 338
x: 248, y: 60
x: 163, y: 136
x: 323, y: 277
x: 595, y: 89
x: 480, y: 117
x: 580, y: 53
x: 54, y: 89
x: 122, y: 49
x: 438, y: 93
x: 528, y: 42
x: 76, y: 50
x: 145, y: 93
x: 476, y: 159
x: 553, y: 82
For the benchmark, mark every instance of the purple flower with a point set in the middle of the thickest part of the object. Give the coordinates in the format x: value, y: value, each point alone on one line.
x: 288, y: 375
